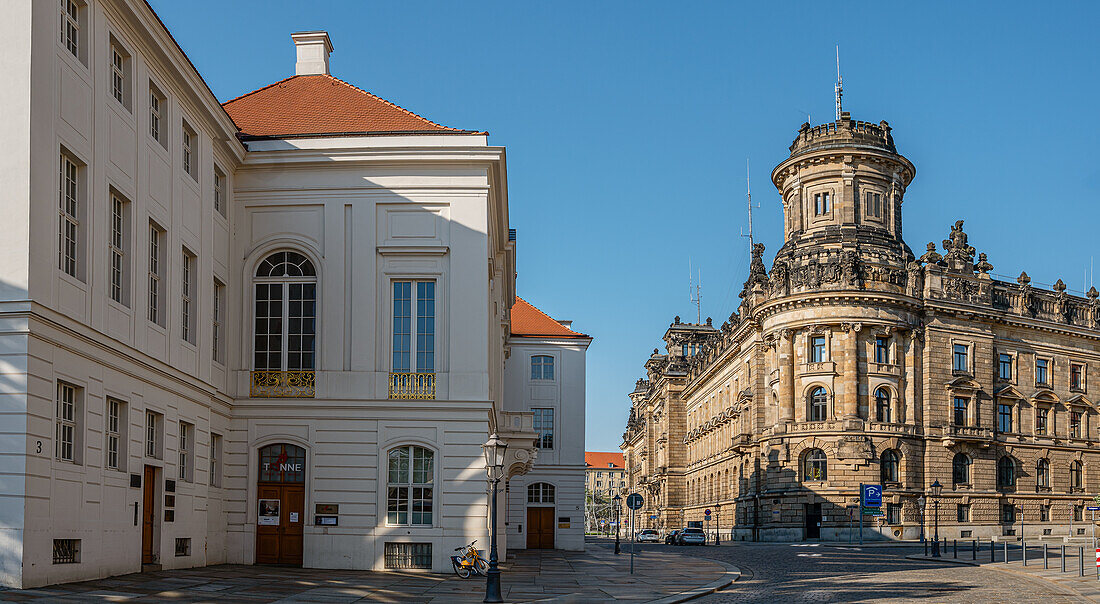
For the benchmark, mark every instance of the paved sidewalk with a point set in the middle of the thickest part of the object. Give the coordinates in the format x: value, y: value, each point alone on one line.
x: 596, y: 575
x: 1071, y: 581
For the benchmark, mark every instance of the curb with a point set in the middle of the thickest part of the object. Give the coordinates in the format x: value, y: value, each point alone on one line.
x: 1066, y: 589
x: 732, y: 574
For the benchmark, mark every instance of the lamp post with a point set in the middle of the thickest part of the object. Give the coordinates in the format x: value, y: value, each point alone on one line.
x: 495, y: 449
x: 921, y: 502
x: 618, y: 500
x: 936, y: 488
x: 717, y: 525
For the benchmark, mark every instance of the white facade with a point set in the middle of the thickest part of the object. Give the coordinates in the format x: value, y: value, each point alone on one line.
x: 87, y: 357
x: 561, y: 464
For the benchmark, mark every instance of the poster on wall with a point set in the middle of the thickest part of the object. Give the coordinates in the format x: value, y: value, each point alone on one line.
x: 269, y: 512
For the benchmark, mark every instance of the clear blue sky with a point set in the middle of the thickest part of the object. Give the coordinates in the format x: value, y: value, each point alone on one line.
x: 628, y: 125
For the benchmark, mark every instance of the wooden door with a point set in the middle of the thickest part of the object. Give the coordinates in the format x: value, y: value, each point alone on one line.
x: 148, y: 514
x: 282, y: 543
x: 540, y: 528
x: 813, y: 520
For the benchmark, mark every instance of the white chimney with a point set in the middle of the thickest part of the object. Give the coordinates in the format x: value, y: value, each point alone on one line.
x: 313, y: 48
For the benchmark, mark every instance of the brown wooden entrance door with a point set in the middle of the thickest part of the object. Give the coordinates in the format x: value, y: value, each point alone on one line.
x: 148, y: 514
x: 281, y: 543
x: 540, y: 528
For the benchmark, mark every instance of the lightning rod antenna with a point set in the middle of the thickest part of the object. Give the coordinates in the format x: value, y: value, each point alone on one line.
x: 748, y: 194
x: 695, y: 292
x: 839, y: 86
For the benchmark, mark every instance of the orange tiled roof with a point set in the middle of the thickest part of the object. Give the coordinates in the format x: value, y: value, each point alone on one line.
x: 322, y: 104
x: 596, y: 459
x: 532, y: 322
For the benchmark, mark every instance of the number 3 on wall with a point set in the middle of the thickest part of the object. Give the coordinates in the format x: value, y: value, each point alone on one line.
x: 37, y: 446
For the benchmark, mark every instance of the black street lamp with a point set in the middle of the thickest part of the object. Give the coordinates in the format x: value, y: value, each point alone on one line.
x: 921, y: 502
x: 717, y: 525
x: 936, y: 488
x: 618, y: 500
x: 495, y: 449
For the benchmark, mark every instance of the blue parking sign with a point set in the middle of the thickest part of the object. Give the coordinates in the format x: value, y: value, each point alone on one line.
x: 872, y: 495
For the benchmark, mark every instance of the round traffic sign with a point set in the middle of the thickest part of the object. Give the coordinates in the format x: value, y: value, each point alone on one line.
x: 634, y: 501
x: 706, y: 512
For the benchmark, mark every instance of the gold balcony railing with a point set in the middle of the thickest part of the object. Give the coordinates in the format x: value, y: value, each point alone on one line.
x: 412, y: 385
x: 282, y: 384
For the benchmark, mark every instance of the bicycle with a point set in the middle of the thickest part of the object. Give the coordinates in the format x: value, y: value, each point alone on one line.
x: 469, y: 560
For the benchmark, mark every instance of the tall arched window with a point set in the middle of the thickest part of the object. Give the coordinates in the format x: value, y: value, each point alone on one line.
x: 888, y: 466
x: 1006, y: 473
x: 1076, y: 475
x: 1042, y: 474
x: 540, y: 492
x: 286, y: 313
x: 410, y: 481
x: 882, y: 405
x: 815, y: 466
x: 819, y: 404
x: 960, y: 469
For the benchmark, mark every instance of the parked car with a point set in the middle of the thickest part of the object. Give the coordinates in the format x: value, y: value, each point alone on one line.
x: 649, y: 536
x: 670, y: 538
x: 691, y: 536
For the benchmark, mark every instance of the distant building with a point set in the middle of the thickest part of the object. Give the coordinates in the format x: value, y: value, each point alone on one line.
x: 544, y: 376
x: 605, y: 477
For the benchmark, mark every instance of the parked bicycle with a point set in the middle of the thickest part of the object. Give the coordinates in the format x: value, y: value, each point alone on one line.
x: 469, y: 560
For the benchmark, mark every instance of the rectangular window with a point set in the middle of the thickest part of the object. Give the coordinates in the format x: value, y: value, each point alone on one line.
x: 1008, y: 512
x: 188, y: 139
x: 117, y: 246
x: 408, y: 555
x: 183, y: 546
x: 821, y: 204
x: 156, y: 268
x: 186, y: 449
x: 873, y: 201
x: 116, y: 434
x: 882, y: 350
x: 817, y: 349
x: 1078, y: 513
x: 962, y: 512
x: 544, y: 427
x: 156, y: 114
x: 960, y: 410
x: 187, y: 311
x: 119, y: 59
x: 410, y: 489
x: 1040, y: 420
x: 542, y: 367
x: 1075, y: 424
x: 961, y: 358
x: 215, y: 460
x: 69, y: 219
x: 1077, y: 377
x: 413, y: 340
x: 1004, y: 418
x: 217, y: 319
x: 1044, y: 513
x: 153, y: 431
x: 67, y: 422
x: 71, y: 13
x: 893, y: 513
x: 1041, y: 376
x: 66, y: 551
x: 219, y: 191
x: 1004, y: 367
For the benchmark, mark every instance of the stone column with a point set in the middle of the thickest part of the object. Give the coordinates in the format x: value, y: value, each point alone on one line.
x: 849, y: 373
x: 785, y: 361
x: 909, y: 344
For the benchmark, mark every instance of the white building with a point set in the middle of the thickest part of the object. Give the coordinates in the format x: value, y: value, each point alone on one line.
x: 545, y: 375
x: 265, y: 332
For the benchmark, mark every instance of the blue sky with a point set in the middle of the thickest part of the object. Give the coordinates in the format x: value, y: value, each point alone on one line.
x: 628, y: 125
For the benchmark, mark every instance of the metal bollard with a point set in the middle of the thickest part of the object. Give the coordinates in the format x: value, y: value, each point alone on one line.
x: 1063, y: 556
x: 1023, y: 551
x: 974, y: 550
x: 925, y: 547
x: 1081, y: 560
x: 992, y: 557
x: 1045, y: 556
x: 1006, y: 553
x: 955, y: 548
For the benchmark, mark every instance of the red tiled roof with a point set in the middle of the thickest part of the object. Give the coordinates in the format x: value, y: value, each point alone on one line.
x: 596, y: 459
x: 322, y: 104
x: 532, y: 322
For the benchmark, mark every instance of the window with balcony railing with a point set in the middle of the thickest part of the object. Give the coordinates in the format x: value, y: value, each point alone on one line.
x: 285, y: 327
x: 412, y: 373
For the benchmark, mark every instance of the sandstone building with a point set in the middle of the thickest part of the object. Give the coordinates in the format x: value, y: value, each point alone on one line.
x: 854, y: 360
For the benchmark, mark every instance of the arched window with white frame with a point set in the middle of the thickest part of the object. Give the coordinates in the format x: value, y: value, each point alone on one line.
x: 410, y: 480
x: 285, y: 286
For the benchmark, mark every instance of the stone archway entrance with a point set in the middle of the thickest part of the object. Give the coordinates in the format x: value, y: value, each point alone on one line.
x: 280, y: 504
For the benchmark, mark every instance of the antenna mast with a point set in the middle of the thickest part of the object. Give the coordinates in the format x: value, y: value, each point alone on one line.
x: 695, y: 293
x: 748, y: 193
x: 839, y: 86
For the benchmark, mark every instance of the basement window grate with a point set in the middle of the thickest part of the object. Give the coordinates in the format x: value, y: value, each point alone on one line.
x: 183, y: 546
x: 66, y: 551
x: 409, y: 555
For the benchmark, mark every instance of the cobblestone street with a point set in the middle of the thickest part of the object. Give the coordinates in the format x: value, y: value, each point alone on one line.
x: 822, y: 573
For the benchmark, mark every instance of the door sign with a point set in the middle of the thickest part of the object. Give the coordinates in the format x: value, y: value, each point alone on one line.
x: 269, y: 512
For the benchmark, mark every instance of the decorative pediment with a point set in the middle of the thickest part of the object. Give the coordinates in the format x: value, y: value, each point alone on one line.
x: 1010, y: 392
x: 1045, y: 395
x: 1081, y: 400
x: 963, y: 382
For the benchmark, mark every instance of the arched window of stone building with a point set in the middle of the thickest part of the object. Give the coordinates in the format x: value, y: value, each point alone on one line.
x: 286, y: 312
x: 819, y: 404
x: 1042, y: 474
x: 1076, y: 475
x: 960, y: 469
x: 888, y: 466
x: 1006, y: 473
x: 882, y: 405
x: 815, y: 466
